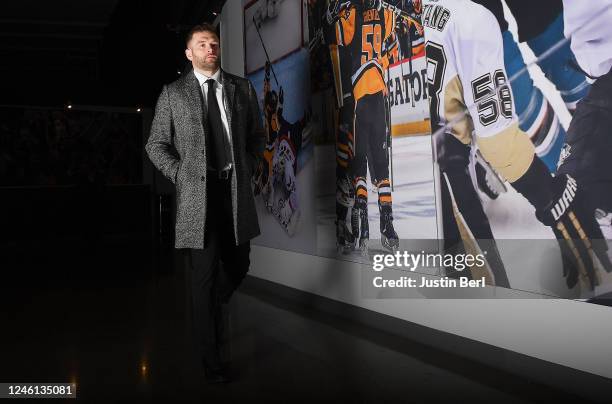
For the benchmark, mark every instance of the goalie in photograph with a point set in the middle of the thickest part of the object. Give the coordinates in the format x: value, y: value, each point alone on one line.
x: 275, y: 179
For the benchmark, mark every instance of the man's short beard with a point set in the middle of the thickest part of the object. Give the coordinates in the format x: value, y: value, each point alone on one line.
x: 203, y: 65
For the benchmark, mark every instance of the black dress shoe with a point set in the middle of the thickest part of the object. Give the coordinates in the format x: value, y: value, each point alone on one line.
x: 216, y: 376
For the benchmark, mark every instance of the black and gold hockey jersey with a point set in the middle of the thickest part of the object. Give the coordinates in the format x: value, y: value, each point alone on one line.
x: 363, y: 29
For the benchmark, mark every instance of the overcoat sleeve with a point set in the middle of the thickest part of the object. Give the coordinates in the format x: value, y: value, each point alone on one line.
x: 160, y: 146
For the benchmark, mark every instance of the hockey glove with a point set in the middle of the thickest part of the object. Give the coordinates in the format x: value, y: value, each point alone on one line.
x: 334, y: 9
x: 561, y: 205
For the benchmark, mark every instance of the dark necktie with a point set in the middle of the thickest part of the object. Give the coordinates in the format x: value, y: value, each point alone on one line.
x: 219, y: 144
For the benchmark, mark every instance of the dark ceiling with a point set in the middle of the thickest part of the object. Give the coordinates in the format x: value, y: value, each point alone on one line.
x: 94, y: 52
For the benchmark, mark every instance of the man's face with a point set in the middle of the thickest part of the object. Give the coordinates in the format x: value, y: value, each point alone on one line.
x: 203, y: 51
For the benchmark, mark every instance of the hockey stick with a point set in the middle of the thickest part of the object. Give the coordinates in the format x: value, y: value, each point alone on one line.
x: 410, y: 64
x: 388, y: 128
x: 469, y: 241
x: 263, y: 45
x: 388, y: 123
x: 316, y: 41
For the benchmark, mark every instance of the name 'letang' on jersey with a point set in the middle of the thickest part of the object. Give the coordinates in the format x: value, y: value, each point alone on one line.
x: 435, y: 16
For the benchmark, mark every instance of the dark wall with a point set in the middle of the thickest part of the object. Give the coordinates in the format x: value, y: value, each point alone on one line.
x: 119, y: 53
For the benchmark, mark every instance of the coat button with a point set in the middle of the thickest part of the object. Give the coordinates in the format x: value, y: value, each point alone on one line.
x: 202, y: 178
x: 203, y: 151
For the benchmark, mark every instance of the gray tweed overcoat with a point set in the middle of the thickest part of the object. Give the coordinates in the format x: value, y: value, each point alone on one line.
x: 176, y: 146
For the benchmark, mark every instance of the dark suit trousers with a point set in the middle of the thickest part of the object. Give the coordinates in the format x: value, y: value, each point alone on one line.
x: 216, y: 270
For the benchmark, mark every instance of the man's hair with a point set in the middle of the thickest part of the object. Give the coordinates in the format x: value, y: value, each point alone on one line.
x: 203, y: 27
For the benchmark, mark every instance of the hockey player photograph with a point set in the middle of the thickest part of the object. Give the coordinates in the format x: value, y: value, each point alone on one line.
x: 473, y: 105
x: 277, y: 172
x: 304, y: 201
x: 384, y: 183
x: 277, y: 64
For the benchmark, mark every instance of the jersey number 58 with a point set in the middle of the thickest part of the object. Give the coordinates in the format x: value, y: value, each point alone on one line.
x: 492, y: 97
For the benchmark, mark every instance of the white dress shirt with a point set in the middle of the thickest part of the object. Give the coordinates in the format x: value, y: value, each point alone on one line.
x: 218, y: 93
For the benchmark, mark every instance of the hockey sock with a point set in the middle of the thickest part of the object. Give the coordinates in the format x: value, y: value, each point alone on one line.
x: 361, y: 192
x: 344, y: 148
x: 384, y: 192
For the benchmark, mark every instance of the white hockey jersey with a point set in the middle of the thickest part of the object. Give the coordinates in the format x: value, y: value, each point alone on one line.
x: 465, y: 68
x: 589, y: 25
x: 466, y: 73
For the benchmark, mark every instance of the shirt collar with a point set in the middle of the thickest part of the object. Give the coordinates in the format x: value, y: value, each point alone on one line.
x: 202, y: 78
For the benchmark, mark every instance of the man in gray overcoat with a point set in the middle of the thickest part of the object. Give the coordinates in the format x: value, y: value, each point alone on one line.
x: 207, y: 138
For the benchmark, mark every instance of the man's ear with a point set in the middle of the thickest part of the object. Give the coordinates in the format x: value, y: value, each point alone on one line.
x: 188, y: 54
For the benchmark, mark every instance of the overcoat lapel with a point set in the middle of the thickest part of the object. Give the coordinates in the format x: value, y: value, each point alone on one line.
x: 228, y: 100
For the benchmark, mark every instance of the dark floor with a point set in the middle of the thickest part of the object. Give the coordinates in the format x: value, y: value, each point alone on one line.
x: 123, y: 338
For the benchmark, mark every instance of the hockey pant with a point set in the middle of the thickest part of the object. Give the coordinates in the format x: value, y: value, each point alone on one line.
x: 587, y: 154
x: 453, y: 159
x: 370, y: 142
x: 537, y: 118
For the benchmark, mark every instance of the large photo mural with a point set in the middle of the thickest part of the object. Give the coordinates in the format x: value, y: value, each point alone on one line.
x: 378, y: 143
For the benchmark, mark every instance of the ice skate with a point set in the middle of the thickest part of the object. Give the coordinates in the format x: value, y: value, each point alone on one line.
x: 388, y: 236
x: 345, y: 241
